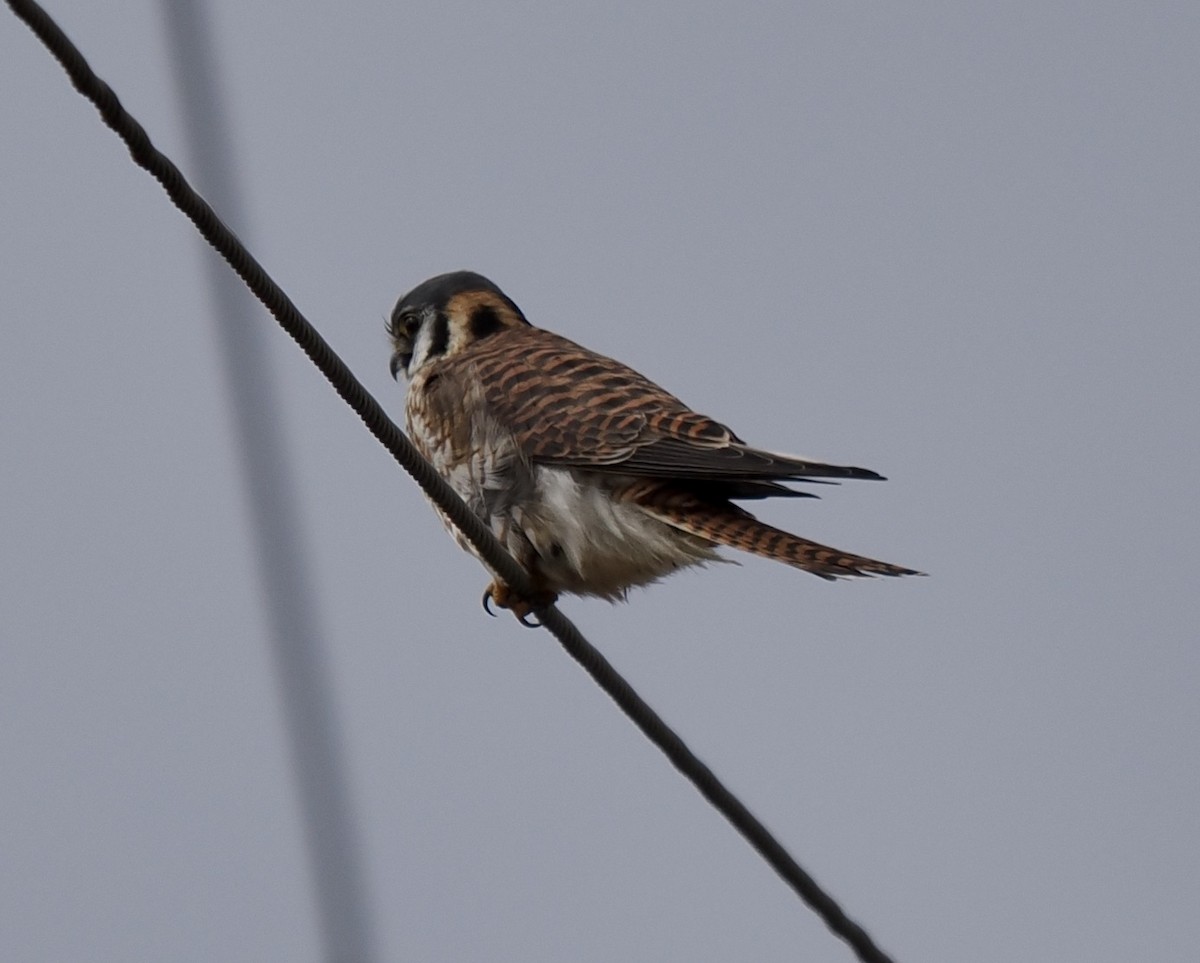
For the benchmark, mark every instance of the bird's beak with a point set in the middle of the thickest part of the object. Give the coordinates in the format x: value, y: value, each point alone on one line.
x: 395, y: 366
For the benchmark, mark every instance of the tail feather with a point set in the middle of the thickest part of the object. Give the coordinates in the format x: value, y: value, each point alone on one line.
x: 726, y: 524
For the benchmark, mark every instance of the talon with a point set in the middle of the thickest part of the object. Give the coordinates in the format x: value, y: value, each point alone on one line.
x: 503, y: 597
x: 524, y: 620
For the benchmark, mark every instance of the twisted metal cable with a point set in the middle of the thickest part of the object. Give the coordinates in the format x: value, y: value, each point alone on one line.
x: 226, y: 243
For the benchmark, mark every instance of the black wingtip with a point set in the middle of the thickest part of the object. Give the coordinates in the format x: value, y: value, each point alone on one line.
x: 821, y: 474
x: 798, y: 468
x: 858, y: 474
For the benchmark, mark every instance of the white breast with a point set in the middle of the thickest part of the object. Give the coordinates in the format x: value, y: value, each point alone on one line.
x: 590, y: 544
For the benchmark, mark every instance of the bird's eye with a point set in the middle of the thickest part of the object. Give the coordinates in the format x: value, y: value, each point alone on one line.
x: 405, y: 326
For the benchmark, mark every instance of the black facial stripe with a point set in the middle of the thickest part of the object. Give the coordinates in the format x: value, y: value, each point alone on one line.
x: 439, y: 336
x: 400, y: 362
x: 484, y: 321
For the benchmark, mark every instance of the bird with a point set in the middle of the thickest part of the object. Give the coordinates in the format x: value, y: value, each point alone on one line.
x: 595, y: 479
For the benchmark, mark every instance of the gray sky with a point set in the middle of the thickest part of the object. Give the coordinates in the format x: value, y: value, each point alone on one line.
x: 954, y: 243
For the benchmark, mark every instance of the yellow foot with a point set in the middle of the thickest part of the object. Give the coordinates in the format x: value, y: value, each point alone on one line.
x: 522, y: 608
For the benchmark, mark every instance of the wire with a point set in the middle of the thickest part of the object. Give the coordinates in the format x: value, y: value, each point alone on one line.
x: 368, y: 409
x: 293, y: 625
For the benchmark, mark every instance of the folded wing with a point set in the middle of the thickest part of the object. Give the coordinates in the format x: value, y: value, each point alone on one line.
x: 571, y: 407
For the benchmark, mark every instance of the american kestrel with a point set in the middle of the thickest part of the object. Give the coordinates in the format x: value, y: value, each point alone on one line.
x: 593, y: 477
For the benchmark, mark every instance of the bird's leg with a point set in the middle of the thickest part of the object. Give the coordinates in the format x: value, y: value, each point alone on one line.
x: 520, y: 606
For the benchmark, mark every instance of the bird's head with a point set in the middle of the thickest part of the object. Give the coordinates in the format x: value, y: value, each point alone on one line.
x: 445, y: 315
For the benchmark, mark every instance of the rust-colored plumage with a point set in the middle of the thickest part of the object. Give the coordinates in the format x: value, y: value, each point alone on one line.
x: 727, y: 524
x: 594, y: 477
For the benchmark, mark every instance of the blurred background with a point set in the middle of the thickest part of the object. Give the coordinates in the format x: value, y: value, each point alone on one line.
x: 956, y: 244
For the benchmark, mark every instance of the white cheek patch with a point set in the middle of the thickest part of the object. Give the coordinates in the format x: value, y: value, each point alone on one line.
x: 429, y: 342
x: 420, y: 349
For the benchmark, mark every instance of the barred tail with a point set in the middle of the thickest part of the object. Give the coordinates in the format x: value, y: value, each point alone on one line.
x: 729, y: 525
